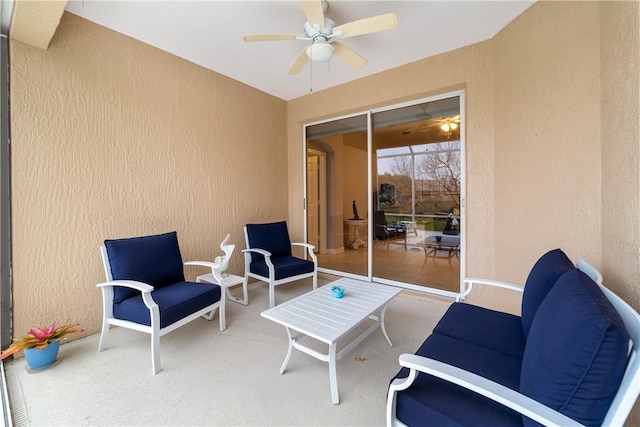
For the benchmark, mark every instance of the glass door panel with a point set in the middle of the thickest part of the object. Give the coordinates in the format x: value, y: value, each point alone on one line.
x: 416, y: 170
x: 337, y: 194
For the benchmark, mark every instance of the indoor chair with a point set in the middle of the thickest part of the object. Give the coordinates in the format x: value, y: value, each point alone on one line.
x: 146, y: 290
x: 268, y: 257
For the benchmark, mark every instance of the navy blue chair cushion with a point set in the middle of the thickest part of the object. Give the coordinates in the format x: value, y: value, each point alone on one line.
x: 541, y: 279
x: 286, y: 266
x: 154, y: 260
x: 485, y: 327
x: 434, y: 402
x: 175, y: 302
x: 576, y: 352
x: 272, y: 237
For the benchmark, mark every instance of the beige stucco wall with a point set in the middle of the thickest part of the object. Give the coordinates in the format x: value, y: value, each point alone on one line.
x: 547, y: 136
x: 620, y: 135
x: 113, y: 138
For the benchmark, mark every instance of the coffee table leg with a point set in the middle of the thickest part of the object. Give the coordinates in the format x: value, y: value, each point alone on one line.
x: 288, y: 356
x: 333, y: 378
x: 384, y: 330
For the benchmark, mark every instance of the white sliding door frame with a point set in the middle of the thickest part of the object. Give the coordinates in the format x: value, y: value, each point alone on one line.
x: 460, y: 94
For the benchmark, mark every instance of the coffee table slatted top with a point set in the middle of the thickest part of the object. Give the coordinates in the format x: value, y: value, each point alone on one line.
x: 319, y: 315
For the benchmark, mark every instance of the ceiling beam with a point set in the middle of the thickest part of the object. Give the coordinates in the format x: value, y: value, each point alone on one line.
x: 35, y: 22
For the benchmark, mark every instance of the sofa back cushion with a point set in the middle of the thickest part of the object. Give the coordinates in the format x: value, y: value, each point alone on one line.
x: 541, y: 279
x: 577, y: 351
x: 272, y: 237
x: 154, y: 260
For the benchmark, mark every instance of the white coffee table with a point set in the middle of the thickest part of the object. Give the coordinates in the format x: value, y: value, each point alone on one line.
x: 317, y: 314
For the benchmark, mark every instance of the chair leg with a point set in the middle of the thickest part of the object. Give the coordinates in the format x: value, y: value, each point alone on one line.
x: 245, y: 291
x: 223, y: 319
x: 272, y: 296
x: 103, y: 335
x: 155, y: 352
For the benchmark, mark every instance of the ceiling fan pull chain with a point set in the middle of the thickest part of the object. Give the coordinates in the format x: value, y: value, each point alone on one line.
x: 311, y: 73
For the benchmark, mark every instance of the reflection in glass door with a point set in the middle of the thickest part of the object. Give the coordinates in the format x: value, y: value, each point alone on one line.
x: 384, y: 199
x: 416, y: 200
x: 337, y: 194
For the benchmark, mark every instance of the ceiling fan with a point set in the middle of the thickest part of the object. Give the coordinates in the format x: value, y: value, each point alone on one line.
x: 323, y: 34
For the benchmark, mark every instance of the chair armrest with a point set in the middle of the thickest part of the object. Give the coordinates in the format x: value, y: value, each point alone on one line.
x: 483, y: 386
x: 133, y: 284
x: 306, y: 245
x: 310, y: 249
x: 214, y: 266
x: 146, y: 289
x: 470, y: 281
x: 267, y: 259
x: 258, y: 251
x: 207, y: 264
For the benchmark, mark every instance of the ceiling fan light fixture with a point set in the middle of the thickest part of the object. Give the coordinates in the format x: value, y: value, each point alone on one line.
x: 453, y: 125
x: 320, y: 51
x: 445, y: 127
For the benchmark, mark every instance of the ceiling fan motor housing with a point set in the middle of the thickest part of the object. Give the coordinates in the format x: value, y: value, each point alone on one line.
x: 315, y: 30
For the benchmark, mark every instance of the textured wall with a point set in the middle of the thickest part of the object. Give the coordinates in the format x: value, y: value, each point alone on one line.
x: 547, y: 163
x: 113, y: 138
x: 620, y: 127
x: 620, y: 50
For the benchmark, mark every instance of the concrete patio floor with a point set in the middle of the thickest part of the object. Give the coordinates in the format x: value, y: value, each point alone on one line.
x: 226, y: 378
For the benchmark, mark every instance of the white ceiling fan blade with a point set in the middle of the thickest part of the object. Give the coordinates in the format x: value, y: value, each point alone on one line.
x: 313, y: 12
x: 350, y: 57
x: 387, y: 21
x: 270, y: 37
x: 298, y: 63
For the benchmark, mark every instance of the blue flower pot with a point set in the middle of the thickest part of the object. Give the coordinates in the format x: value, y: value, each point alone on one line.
x: 337, y: 291
x: 38, y: 359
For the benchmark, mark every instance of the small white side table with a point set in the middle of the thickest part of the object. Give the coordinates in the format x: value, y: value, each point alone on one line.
x: 227, y: 282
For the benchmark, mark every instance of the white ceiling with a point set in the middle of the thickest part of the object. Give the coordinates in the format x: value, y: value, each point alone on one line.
x: 209, y: 33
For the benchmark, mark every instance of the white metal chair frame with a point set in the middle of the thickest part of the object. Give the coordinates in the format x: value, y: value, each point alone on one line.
x: 618, y: 411
x: 271, y: 279
x: 154, y: 330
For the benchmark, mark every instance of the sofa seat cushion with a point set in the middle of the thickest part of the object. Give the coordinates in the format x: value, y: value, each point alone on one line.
x: 576, y: 352
x: 484, y: 327
x: 431, y: 401
x: 175, y: 301
x: 154, y: 260
x: 286, y: 266
x: 542, y: 277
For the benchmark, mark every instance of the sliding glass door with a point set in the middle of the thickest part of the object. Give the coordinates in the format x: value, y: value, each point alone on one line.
x: 384, y: 194
x: 416, y: 165
x: 337, y: 194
